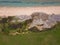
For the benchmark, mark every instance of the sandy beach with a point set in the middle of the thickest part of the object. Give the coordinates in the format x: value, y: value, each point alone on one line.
x: 10, y: 11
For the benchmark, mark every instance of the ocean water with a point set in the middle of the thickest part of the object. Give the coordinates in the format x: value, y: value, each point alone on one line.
x: 19, y: 3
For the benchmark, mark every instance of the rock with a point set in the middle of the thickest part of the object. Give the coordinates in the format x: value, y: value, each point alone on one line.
x: 56, y: 17
x: 38, y: 21
x: 41, y: 21
x: 34, y: 29
x: 39, y: 15
x: 23, y: 18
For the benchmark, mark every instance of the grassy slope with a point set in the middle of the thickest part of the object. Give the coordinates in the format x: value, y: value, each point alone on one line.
x: 51, y: 37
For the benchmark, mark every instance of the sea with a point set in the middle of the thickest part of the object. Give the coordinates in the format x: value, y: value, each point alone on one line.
x: 23, y: 4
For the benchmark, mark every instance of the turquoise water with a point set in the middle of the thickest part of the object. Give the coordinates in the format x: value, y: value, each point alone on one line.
x: 19, y: 3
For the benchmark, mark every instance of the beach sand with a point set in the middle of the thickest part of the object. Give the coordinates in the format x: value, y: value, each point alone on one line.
x: 12, y: 11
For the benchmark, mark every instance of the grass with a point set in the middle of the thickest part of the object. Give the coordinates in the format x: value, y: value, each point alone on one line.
x: 51, y: 37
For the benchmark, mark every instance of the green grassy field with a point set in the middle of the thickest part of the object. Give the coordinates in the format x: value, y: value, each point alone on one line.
x: 51, y: 37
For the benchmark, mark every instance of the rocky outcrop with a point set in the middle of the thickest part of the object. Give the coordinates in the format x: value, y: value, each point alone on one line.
x: 21, y: 18
x: 42, y: 21
x: 56, y: 17
x: 38, y: 20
